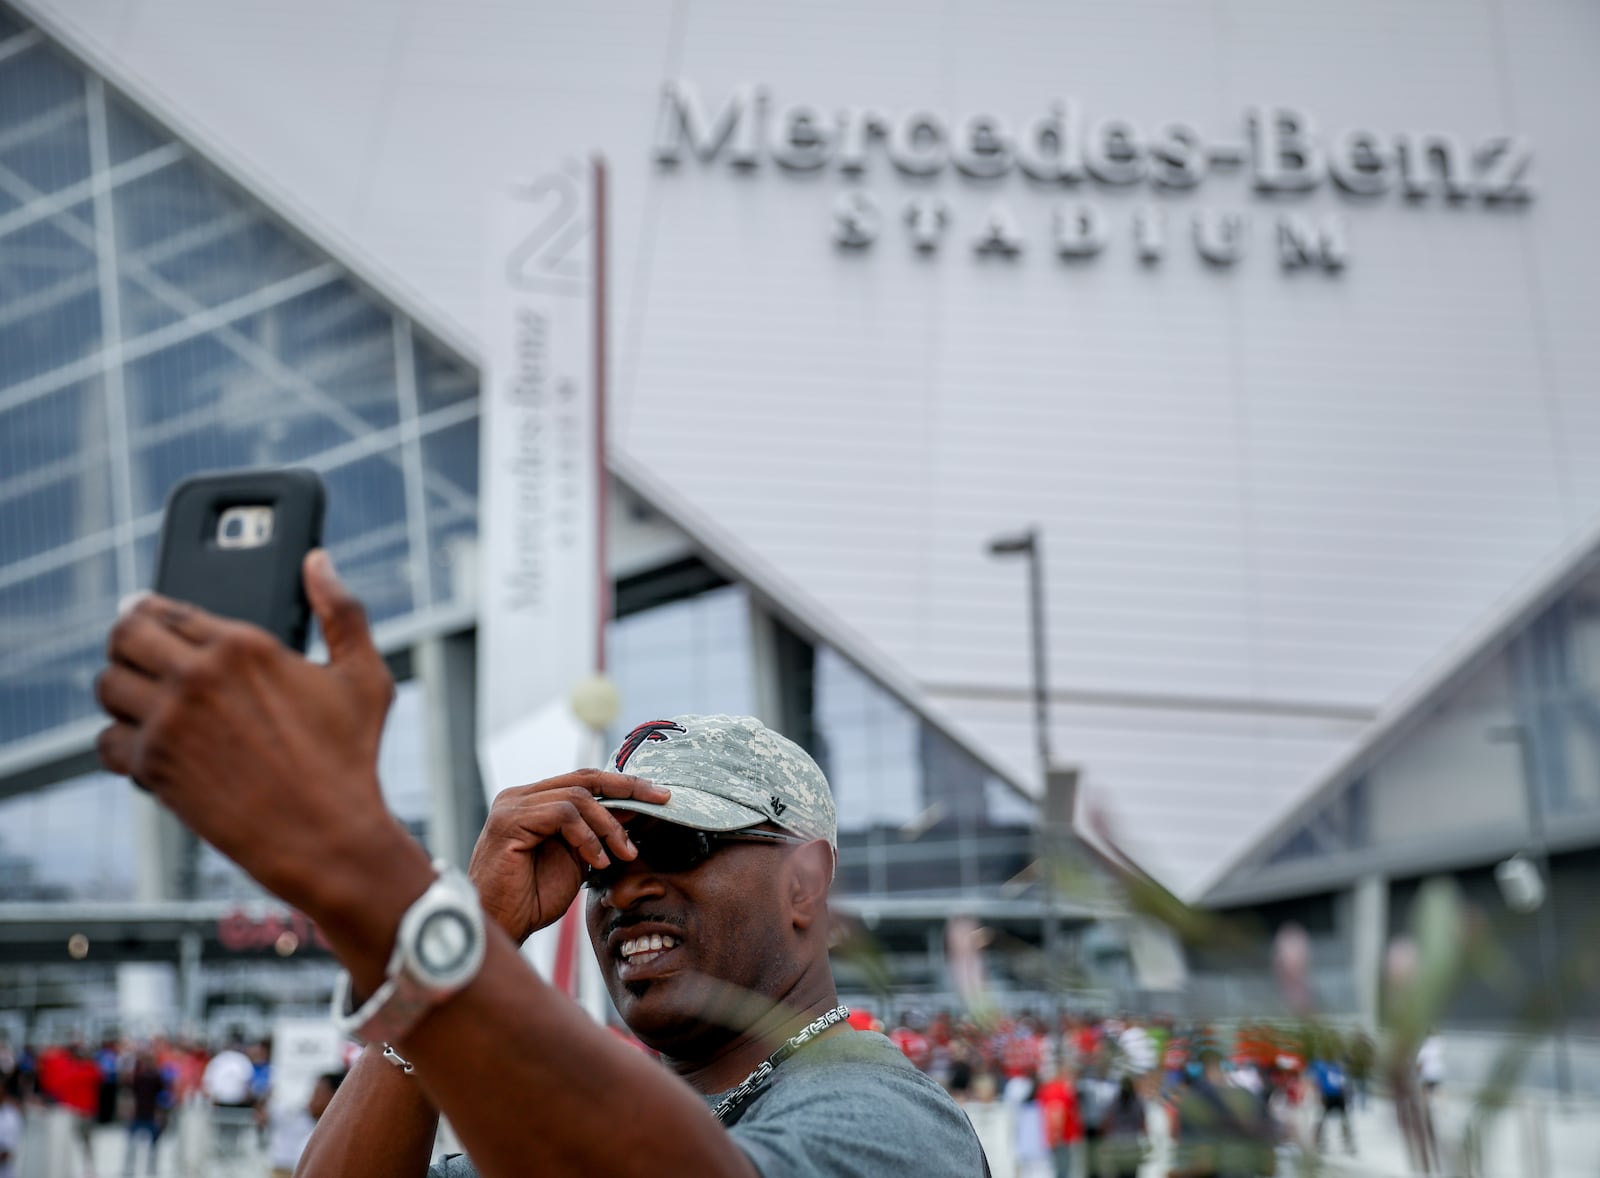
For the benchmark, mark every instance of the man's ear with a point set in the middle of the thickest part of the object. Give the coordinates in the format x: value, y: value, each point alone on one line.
x: 810, y: 873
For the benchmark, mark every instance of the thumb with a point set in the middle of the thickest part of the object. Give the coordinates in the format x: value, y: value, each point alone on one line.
x: 343, y: 620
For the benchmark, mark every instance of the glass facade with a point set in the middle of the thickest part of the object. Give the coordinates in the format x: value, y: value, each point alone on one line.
x: 74, y: 840
x: 691, y: 656
x: 1523, y: 730
x: 69, y: 842
x: 916, y: 813
x: 156, y: 321
x: 402, y: 772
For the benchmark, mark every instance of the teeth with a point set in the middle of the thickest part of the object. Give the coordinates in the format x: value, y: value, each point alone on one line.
x: 654, y: 943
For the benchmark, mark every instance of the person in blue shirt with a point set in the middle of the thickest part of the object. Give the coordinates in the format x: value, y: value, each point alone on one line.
x: 1333, y: 1086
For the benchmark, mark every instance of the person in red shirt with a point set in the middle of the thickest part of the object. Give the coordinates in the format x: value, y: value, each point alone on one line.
x: 913, y: 1044
x: 864, y: 1020
x: 1063, y: 1125
x: 71, y: 1078
x: 80, y: 1089
x: 51, y: 1068
x: 1021, y: 1052
x: 1087, y: 1040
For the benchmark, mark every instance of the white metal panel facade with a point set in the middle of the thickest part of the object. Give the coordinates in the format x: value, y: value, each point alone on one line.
x: 1268, y: 499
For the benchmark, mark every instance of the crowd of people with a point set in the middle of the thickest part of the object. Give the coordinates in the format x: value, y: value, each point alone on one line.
x: 143, y: 1086
x: 1091, y: 1097
x: 1086, y: 1097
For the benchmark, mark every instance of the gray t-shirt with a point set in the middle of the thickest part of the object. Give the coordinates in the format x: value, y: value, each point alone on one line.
x: 847, y: 1106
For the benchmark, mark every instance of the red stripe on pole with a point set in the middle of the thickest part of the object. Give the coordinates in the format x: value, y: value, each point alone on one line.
x: 564, y: 975
x: 603, y: 580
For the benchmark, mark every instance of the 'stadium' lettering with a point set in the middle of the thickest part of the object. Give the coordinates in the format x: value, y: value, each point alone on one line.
x: 1079, y: 231
x: 1285, y: 152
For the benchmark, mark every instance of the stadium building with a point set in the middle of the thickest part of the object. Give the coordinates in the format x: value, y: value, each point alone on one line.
x: 1273, y: 322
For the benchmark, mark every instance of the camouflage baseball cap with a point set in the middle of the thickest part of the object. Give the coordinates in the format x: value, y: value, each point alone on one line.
x: 726, y: 773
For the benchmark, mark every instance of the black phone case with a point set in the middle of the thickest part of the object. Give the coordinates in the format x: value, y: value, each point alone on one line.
x: 261, y: 585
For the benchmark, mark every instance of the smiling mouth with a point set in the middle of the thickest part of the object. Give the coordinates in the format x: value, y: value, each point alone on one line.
x: 646, y: 949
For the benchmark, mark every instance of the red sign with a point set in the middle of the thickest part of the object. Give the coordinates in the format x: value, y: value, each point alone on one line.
x: 240, y: 931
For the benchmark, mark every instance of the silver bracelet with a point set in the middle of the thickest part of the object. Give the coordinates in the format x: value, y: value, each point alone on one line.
x: 399, y: 1061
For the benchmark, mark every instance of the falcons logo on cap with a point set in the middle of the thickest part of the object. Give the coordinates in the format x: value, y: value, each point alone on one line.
x: 649, y: 730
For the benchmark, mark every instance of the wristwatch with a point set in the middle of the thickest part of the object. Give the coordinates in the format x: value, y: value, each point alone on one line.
x: 437, y: 951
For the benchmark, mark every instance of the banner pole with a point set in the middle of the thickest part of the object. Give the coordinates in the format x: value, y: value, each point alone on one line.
x: 603, y: 582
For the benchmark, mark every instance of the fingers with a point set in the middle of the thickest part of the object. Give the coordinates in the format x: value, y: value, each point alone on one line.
x: 612, y: 785
x: 578, y: 831
x: 343, y: 620
x: 527, y: 816
x: 117, y: 745
x: 345, y: 629
x: 189, y: 622
x: 160, y: 637
x: 126, y: 694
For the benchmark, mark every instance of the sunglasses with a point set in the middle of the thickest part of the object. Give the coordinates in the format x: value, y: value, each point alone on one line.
x: 670, y: 849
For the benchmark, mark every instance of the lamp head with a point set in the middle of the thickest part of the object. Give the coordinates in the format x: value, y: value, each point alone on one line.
x: 1011, y: 545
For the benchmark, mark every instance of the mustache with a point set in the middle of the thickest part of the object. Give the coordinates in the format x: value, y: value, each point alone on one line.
x: 628, y: 919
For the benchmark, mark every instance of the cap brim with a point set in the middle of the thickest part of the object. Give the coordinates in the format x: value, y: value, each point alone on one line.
x: 691, y: 807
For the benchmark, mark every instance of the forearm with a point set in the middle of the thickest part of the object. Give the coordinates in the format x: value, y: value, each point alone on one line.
x: 379, y: 1123
x: 532, y: 1085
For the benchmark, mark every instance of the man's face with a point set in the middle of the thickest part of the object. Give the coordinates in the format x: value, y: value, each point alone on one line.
x: 726, y: 934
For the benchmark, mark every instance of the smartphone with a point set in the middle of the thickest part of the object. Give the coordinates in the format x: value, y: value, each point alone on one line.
x: 232, y: 543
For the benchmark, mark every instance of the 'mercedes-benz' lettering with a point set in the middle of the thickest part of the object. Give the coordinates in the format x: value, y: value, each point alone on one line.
x: 1277, y: 152
x: 1282, y: 146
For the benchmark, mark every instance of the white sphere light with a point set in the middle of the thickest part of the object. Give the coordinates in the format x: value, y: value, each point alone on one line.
x: 596, y: 702
x: 1521, y: 884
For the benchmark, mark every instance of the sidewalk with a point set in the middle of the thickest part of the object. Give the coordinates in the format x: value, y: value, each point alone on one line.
x: 50, y: 1150
x: 1534, y: 1138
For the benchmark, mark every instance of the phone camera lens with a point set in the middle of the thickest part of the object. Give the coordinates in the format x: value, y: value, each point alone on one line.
x: 233, y: 528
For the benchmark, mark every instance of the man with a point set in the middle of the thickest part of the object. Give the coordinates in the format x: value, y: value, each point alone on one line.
x: 707, y: 910
x: 151, y: 1089
x: 1430, y: 1071
x: 226, y: 1080
x: 10, y: 1132
x: 1333, y: 1087
x: 1223, y: 1131
x: 1062, y: 1124
x: 913, y: 1044
x: 70, y: 1078
x: 226, y: 1084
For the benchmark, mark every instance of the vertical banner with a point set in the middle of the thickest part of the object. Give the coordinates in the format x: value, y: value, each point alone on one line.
x: 541, y: 609
x: 302, y: 1050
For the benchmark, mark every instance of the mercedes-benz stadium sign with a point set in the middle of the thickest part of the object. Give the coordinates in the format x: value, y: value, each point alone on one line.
x: 1279, y: 148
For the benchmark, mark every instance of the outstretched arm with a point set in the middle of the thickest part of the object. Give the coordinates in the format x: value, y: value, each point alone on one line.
x: 273, y: 759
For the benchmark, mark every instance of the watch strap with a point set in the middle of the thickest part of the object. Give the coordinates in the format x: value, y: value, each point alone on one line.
x: 388, y: 1016
x: 402, y: 1000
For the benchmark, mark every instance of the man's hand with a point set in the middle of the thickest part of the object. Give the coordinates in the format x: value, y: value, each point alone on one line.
x: 540, y: 839
x: 267, y: 756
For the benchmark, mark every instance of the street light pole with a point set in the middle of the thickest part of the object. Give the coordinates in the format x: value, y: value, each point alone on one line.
x: 1028, y: 543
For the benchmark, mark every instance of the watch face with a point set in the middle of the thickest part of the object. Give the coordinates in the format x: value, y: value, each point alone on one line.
x: 444, y: 942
